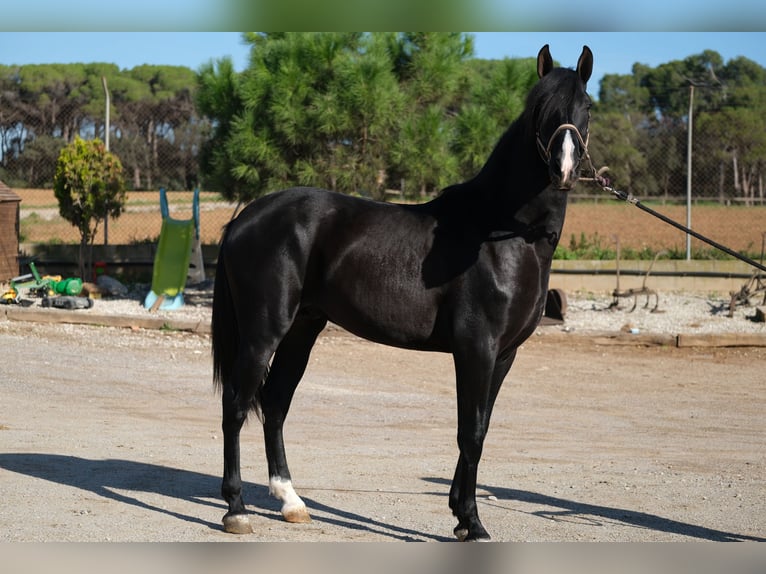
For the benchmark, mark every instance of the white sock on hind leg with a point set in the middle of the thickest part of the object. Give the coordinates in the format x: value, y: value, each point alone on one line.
x: 293, y: 508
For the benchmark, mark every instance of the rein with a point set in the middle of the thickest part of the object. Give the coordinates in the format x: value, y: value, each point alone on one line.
x: 603, y: 183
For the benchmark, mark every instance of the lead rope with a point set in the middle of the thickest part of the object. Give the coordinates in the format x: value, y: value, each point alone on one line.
x: 603, y: 182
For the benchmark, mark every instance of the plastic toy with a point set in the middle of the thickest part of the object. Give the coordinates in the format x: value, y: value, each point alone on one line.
x: 171, y: 261
x: 41, y: 286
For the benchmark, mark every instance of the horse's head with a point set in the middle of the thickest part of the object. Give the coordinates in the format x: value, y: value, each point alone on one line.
x: 562, y: 113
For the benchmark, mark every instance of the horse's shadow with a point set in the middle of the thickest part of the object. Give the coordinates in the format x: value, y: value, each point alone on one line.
x: 561, y: 509
x: 113, y: 478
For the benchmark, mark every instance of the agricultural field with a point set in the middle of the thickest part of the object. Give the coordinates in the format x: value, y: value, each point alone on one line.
x: 738, y: 227
x: 589, y: 232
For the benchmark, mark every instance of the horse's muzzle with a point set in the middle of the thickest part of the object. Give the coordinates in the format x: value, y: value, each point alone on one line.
x: 564, y: 181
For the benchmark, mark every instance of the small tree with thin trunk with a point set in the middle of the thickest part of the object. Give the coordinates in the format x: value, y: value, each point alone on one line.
x: 89, y: 187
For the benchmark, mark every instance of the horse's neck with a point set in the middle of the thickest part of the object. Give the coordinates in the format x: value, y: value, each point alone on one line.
x: 515, y: 186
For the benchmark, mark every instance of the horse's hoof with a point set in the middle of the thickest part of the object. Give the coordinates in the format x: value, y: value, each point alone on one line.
x: 463, y: 534
x: 237, y: 524
x: 297, y: 515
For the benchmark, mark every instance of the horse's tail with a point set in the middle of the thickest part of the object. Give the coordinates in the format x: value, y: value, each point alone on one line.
x: 225, y: 335
x: 224, y: 329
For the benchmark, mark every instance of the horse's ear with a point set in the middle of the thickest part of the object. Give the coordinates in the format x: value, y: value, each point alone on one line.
x: 585, y: 64
x: 544, y: 61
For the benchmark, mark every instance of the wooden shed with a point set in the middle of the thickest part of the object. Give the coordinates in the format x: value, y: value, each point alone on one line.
x: 9, y: 233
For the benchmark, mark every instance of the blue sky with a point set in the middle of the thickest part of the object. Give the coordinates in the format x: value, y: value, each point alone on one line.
x: 614, y: 52
x: 522, y: 15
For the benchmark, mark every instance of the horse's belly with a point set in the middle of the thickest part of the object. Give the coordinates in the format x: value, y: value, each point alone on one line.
x: 385, y: 313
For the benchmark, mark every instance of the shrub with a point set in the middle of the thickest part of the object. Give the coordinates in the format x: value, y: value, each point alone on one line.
x: 89, y: 187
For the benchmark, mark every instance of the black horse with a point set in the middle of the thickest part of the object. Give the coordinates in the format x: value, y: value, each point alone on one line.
x: 466, y: 274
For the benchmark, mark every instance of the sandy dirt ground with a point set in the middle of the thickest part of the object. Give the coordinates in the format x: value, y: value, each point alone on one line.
x: 113, y: 434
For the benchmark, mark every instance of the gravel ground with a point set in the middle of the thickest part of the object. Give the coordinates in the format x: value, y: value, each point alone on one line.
x: 677, y: 312
x: 113, y: 434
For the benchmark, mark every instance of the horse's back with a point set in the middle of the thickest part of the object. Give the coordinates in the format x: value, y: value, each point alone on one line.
x: 316, y: 220
x: 275, y: 214
x: 280, y: 226
x: 356, y: 261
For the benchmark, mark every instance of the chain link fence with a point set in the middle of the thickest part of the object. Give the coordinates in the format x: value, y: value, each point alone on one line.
x: 652, y: 160
x: 140, y: 222
x: 159, y: 147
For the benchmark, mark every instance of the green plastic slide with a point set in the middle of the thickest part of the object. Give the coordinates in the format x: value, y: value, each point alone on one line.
x: 171, y: 262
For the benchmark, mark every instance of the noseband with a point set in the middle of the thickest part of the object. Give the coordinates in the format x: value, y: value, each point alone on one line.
x: 545, y: 151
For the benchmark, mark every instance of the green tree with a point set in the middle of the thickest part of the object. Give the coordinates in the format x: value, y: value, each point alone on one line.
x: 628, y: 137
x: 89, y: 187
x: 38, y: 164
x: 736, y: 137
x: 423, y: 152
x: 494, y: 96
x: 730, y: 140
x: 624, y: 94
x: 668, y: 85
x: 475, y: 133
x: 156, y: 117
x: 155, y: 129
x: 311, y: 109
x: 11, y: 119
x: 614, y: 143
x: 51, y: 98
x: 219, y: 98
x: 41, y: 103
x: 431, y: 71
x: 353, y: 112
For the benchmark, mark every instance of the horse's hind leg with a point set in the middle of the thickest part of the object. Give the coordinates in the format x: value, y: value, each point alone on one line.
x: 236, y: 402
x: 287, y: 368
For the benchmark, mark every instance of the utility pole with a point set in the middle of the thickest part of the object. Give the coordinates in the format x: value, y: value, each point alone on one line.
x: 690, y: 130
x: 106, y: 144
x: 106, y: 113
x: 689, y: 173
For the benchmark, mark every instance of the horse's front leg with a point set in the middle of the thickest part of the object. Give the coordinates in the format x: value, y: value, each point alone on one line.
x: 479, y: 377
